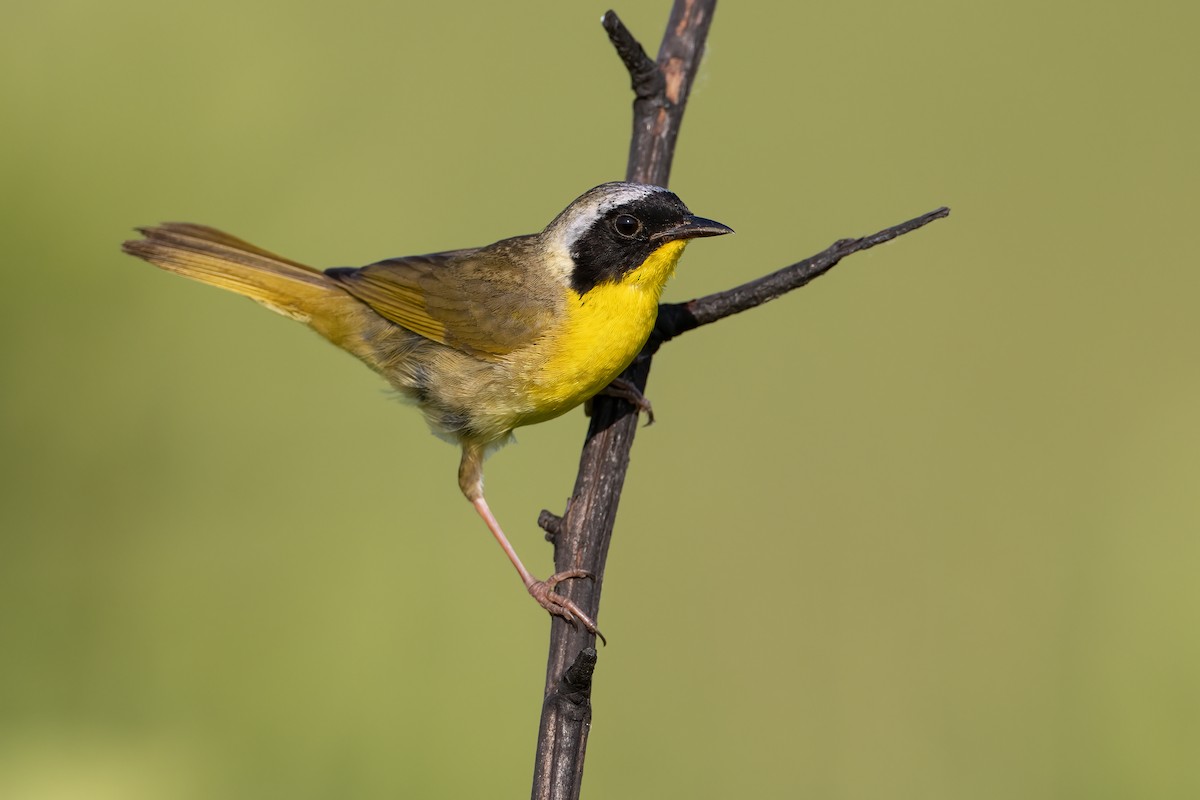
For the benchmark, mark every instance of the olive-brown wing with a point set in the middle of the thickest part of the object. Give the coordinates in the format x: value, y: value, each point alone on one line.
x: 486, y: 301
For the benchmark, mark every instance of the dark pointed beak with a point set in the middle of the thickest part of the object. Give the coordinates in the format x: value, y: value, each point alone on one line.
x: 692, y: 228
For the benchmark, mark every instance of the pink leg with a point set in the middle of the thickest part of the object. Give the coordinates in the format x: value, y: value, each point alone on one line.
x: 542, y: 591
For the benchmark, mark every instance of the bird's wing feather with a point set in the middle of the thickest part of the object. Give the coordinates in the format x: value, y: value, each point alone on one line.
x: 486, y: 301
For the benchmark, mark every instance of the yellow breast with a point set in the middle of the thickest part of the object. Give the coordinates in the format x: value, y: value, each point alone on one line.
x: 601, y: 334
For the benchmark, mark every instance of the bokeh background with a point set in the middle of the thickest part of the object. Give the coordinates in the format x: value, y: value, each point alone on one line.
x: 927, y: 528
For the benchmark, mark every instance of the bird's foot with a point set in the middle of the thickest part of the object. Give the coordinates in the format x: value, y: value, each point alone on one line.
x: 560, y: 606
x: 628, y: 391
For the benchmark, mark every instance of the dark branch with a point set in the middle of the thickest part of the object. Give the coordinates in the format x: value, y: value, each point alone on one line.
x: 644, y: 77
x: 582, y: 534
x: 677, y: 318
x: 660, y: 88
x: 566, y: 716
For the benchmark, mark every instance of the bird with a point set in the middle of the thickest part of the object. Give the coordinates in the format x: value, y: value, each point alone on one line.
x: 483, y: 340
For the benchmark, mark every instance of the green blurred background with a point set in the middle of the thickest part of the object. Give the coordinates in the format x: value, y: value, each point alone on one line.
x: 925, y: 529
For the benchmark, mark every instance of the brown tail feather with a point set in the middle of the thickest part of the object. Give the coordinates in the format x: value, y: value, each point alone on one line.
x: 210, y: 256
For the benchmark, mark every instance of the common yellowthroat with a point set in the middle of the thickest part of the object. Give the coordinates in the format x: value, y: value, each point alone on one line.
x: 483, y: 340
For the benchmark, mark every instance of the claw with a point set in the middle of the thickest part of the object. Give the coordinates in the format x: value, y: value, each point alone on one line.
x: 628, y: 391
x: 561, y: 606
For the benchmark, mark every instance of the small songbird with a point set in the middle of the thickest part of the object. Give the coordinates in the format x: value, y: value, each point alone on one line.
x: 483, y: 340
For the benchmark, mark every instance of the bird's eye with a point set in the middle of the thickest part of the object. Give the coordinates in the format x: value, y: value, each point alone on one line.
x: 628, y: 226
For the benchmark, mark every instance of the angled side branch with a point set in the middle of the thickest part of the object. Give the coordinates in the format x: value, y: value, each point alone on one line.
x: 644, y: 78
x: 677, y: 318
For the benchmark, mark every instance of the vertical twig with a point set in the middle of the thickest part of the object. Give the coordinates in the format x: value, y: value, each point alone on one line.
x: 582, y: 537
